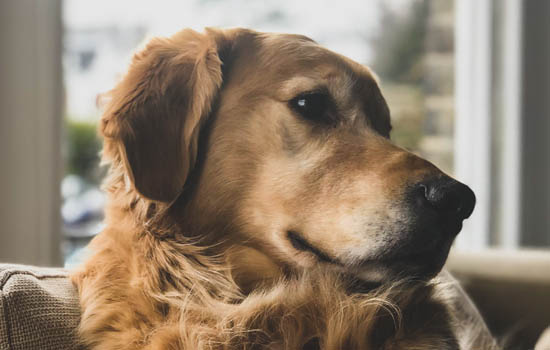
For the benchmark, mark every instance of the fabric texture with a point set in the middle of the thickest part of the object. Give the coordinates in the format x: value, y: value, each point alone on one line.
x: 39, y: 309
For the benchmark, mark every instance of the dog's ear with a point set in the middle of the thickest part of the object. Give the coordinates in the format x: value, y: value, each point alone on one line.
x: 153, y: 119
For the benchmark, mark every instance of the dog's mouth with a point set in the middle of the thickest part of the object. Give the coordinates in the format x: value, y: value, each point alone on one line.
x: 301, y: 244
x: 402, y: 263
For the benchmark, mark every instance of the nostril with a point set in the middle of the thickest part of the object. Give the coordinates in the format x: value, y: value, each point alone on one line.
x: 448, y: 196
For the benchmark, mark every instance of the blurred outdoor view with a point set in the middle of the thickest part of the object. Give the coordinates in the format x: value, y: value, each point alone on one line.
x: 408, y: 43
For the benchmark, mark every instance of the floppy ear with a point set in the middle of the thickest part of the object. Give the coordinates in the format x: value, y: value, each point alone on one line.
x: 153, y: 119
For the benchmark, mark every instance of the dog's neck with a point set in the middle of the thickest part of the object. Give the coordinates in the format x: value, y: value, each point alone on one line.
x: 249, y: 268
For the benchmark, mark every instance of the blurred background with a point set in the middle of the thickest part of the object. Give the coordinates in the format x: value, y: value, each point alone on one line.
x: 467, y: 83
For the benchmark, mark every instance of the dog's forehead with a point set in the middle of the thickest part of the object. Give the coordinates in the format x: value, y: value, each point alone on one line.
x: 282, y: 66
x: 302, y: 64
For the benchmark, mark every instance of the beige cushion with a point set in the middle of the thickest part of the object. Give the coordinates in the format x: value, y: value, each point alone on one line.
x: 38, y: 309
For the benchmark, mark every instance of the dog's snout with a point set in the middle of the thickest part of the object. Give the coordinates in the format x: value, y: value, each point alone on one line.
x: 448, y: 197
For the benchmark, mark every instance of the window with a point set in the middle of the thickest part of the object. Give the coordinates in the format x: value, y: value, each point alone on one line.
x: 417, y: 47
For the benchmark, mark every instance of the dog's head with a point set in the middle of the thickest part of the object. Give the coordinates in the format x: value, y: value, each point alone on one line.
x: 271, y: 142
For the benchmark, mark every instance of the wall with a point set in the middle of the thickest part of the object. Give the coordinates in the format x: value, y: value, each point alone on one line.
x: 30, y: 131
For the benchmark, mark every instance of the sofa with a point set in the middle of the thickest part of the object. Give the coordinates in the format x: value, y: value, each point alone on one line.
x: 38, y: 309
x: 511, y: 289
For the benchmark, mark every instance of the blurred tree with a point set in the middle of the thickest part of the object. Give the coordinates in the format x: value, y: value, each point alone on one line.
x: 399, y: 48
x: 83, y: 146
x: 399, y: 44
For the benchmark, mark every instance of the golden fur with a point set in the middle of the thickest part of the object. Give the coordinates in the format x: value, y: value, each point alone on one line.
x: 209, y: 170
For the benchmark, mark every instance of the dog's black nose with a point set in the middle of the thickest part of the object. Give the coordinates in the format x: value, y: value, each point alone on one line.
x: 448, y: 197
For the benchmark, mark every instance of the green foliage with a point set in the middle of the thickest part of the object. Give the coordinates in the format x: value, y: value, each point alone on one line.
x: 407, y: 132
x: 398, y: 58
x: 83, y: 147
x: 399, y: 46
x: 408, y: 110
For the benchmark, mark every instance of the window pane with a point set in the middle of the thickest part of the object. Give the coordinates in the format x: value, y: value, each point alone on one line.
x: 408, y: 43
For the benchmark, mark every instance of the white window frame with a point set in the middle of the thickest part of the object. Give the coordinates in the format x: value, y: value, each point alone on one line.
x: 482, y: 104
x: 472, y: 114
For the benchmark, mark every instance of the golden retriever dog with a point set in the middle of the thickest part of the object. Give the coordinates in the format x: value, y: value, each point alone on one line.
x: 257, y: 202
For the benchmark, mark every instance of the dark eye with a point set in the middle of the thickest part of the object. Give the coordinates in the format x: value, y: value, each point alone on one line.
x: 315, y: 106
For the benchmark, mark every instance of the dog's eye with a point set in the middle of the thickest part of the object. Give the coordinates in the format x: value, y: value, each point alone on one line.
x: 313, y: 106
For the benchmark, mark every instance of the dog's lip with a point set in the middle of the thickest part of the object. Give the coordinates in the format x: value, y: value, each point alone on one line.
x: 424, y: 263
x: 301, y: 244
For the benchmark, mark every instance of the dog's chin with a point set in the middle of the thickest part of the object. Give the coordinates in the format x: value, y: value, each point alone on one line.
x: 420, y: 266
x: 418, y: 259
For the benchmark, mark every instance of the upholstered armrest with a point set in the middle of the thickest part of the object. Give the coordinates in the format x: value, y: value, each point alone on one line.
x: 39, y: 309
x: 511, y: 290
